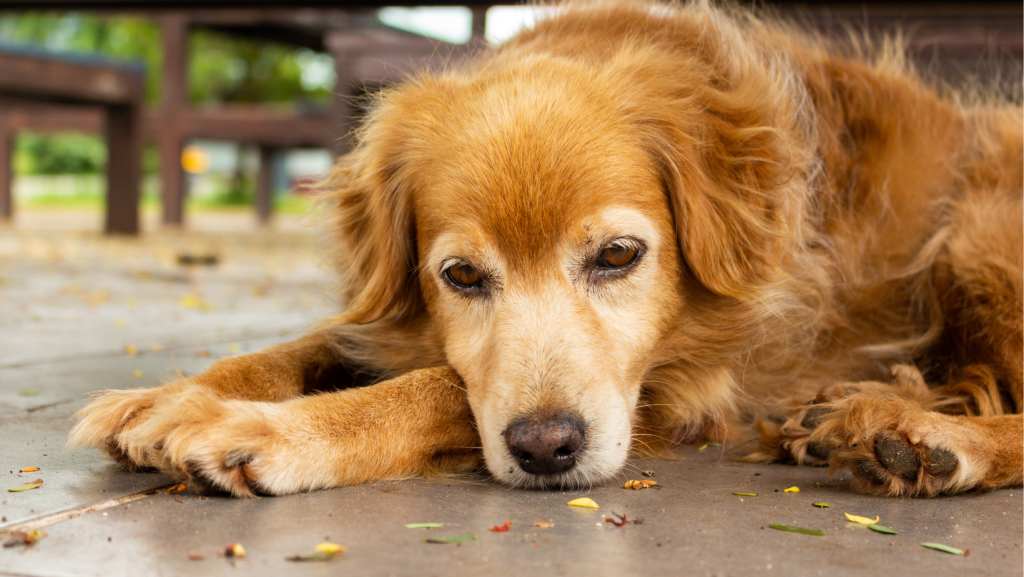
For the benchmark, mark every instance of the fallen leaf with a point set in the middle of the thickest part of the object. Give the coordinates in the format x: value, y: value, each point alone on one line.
x: 882, y: 529
x: 233, y: 348
x: 29, y: 469
x: 791, y: 490
x: 195, y: 557
x: 233, y: 550
x: 28, y: 393
x: 452, y: 539
x: 943, y: 548
x: 821, y: 505
x: 641, y: 484
x: 130, y: 350
x: 543, y: 524
x: 424, y: 525
x: 202, y: 353
x: 647, y: 473
x: 583, y: 502
x: 638, y: 521
x: 745, y: 494
x: 714, y: 444
x: 793, y: 529
x: 27, y: 486
x: 324, y: 552
x: 861, y: 520
x: 502, y: 528
x: 702, y: 447
x: 180, y: 487
x: 25, y: 538
x: 617, y: 522
x: 137, y: 374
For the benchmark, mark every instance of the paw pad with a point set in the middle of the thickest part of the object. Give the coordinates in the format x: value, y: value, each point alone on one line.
x: 897, y: 456
x: 941, y: 462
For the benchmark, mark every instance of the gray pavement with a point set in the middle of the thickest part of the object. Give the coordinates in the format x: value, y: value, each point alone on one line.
x: 72, y: 304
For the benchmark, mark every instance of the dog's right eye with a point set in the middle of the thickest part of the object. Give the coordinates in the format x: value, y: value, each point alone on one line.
x: 463, y: 276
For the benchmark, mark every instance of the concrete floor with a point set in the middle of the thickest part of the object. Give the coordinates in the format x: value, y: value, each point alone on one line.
x: 70, y: 304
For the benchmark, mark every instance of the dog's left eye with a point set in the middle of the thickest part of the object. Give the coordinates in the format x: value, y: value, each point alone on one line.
x: 463, y: 276
x: 617, y: 256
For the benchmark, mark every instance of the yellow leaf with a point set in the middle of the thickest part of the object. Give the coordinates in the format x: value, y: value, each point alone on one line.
x: 130, y: 350
x: 233, y: 348
x: 861, y: 520
x: 29, y: 469
x: 791, y: 490
x: 543, y: 524
x: 137, y: 374
x: 641, y: 484
x: 330, y: 548
x: 189, y: 301
x: 234, y: 550
x: 583, y: 502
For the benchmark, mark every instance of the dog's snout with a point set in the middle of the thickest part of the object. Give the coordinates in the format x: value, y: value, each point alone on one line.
x: 545, y: 446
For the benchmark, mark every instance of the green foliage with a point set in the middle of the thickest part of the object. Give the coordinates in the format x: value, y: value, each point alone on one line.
x: 62, y: 153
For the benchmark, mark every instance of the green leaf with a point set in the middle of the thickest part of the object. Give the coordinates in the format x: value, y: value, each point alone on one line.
x: 28, y: 393
x: 713, y: 444
x: 452, y: 539
x: 943, y: 548
x: 821, y: 505
x: 424, y: 525
x: 27, y: 486
x: 702, y: 447
x: 793, y: 529
x: 745, y: 494
x: 882, y: 529
x: 312, y: 557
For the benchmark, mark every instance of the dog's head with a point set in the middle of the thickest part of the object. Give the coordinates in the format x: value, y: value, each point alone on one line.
x: 558, y: 225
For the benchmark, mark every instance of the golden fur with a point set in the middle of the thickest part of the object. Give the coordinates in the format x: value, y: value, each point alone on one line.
x: 810, y: 228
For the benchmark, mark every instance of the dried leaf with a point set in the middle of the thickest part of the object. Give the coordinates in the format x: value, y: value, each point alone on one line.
x: 424, y: 525
x: 180, y: 487
x: 25, y: 538
x: 793, y: 529
x: 821, y: 505
x: 452, y: 539
x: 543, y: 524
x: 745, y: 494
x: 791, y: 490
x: 943, y: 548
x: 27, y: 486
x: 861, y: 520
x: 233, y: 550
x: 195, y: 557
x: 647, y: 473
x: 29, y: 469
x: 641, y: 484
x: 617, y: 522
x: 583, y: 502
x: 882, y: 529
x: 502, y: 528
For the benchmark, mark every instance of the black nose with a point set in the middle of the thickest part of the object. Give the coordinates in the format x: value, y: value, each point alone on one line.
x: 545, y: 446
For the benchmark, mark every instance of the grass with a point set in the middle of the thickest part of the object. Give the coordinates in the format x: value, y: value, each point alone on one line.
x: 285, y: 204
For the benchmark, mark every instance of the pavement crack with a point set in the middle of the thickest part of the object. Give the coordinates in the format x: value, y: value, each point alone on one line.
x: 47, y: 405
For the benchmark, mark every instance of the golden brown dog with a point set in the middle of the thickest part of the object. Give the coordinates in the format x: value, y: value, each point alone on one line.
x: 634, y: 226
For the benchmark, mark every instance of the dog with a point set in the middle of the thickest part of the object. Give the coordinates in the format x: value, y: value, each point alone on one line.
x: 631, y: 227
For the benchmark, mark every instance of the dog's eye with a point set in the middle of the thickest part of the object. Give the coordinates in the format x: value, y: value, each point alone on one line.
x: 616, y: 256
x: 463, y: 276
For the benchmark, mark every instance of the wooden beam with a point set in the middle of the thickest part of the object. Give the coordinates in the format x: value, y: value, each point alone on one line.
x: 166, y: 127
x: 265, y: 184
x: 6, y: 170
x: 41, y: 77
x: 124, y: 168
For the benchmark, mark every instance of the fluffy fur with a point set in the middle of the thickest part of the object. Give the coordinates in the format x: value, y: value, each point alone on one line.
x: 818, y: 237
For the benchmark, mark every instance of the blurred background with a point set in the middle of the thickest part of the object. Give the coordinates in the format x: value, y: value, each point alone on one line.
x: 123, y: 116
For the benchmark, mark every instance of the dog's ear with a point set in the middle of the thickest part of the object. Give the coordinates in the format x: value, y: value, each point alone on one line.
x: 368, y: 193
x: 726, y: 156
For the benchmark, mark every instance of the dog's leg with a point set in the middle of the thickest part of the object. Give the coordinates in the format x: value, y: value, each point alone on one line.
x: 240, y: 420
x: 416, y: 424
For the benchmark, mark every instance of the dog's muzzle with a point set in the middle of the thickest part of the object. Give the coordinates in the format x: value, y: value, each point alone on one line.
x: 545, y: 446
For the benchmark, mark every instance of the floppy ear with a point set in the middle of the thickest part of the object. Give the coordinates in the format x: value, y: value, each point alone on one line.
x: 728, y: 161
x: 369, y: 197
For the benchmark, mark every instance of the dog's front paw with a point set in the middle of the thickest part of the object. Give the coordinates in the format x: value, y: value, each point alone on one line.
x: 186, y: 432
x: 896, y: 448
